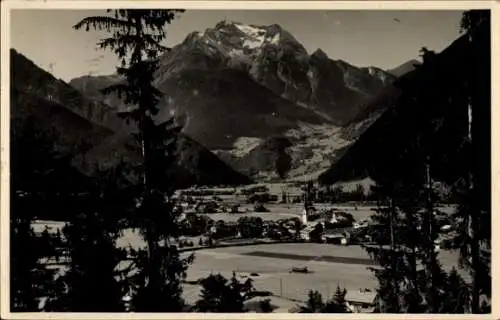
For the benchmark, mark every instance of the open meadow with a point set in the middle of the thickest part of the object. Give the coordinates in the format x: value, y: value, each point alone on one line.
x: 330, y: 265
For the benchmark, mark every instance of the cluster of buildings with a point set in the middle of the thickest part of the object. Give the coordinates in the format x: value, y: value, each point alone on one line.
x: 341, y: 221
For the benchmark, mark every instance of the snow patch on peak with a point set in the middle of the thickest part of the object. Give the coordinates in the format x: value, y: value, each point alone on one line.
x: 372, y: 71
x: 275, y: 39
x: 380, y: 74
x: 249, y: 30
x: 255, y: 37
x: 252, y: 43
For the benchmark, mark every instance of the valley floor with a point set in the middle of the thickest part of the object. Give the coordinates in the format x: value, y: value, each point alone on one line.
x: 330, y: 265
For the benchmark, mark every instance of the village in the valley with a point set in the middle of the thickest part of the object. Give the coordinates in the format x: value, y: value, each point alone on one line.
x: 286, y: 238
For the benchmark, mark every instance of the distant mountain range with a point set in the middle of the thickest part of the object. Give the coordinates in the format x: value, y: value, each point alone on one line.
x: 236, y: 89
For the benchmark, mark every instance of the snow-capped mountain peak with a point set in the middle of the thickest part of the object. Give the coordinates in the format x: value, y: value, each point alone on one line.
x: 256, y: 37
x: 237, y: 40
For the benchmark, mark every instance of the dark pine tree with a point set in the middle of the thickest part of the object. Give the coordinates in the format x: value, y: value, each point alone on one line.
x: 410, y: 209
x: 31, y: 282
x: 337, y: 304
x: 283, y: 164
x: 298, y: 228
x: 473, y: 190
x: 91, y: 281
x: 94, y: 281
x: 38, y: 173
x: 314, y: 303
x: 220, y: 295
x: 389, y: 276
x: 136, y: 37
x: 456, y: 295
x: 316, y: 234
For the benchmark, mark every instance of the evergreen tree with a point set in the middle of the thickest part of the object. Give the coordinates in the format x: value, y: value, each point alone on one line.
x: 44, y: 183
x: 337, y: 304
x: 403, y: 249
x: 456, y: 295
x: 473, y: 190
x: 90, y: 281
x: 94, y: 281
x: 359, y: 193
x: 30, y: 280
x: 410, y: 210
x: 389, y: 258
x: 220, y: 295
x: 283, y: 164
x: 316, y: 234
x: 38, y: 172
x: 314, y: 303
x: 136, y: 37
x: 298, y: 228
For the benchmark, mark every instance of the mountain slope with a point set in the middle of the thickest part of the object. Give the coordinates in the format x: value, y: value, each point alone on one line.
x: 404, y: 68
x: 379, y: 149
x: 262, y: 159
x: 237, y: 82
x: 60, y: 111
x: 38, y: 97
x: 217, y: 106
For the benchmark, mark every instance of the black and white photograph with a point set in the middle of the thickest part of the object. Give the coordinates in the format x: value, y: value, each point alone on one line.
x: 246, y: 159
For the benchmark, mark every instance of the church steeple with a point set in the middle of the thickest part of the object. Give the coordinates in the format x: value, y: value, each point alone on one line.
x: 304, y: 217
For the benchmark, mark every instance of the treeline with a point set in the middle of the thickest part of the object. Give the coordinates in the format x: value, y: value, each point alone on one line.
x: 205, y: 192
x: 339, y: 194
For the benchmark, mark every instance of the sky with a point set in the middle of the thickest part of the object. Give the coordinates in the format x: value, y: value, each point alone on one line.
x: 384, y: 39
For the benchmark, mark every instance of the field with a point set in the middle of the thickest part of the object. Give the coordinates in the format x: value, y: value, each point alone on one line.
x: 274, y: 272
x: 329, y: 265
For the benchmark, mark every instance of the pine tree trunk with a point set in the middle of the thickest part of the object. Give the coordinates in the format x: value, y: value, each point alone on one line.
x: 394, y: 281
x: 475, y: 259
x: 474, y: 222
x: 151, y: 238
x: 432, y: 259
x: 412, y: 260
